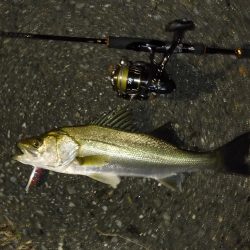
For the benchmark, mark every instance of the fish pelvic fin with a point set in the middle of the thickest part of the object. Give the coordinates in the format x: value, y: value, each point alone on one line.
x: 232, y: 157
x: 110, y: 179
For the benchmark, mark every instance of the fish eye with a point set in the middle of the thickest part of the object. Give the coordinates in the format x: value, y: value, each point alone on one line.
x: 36, y: 143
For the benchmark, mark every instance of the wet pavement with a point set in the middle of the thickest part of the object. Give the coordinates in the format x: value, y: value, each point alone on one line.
x: 45, y: 85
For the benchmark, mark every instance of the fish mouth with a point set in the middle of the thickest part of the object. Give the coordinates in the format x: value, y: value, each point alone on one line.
x: 24, y: 149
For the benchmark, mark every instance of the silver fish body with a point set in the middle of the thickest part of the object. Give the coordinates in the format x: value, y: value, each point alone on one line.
x: 131, y: 154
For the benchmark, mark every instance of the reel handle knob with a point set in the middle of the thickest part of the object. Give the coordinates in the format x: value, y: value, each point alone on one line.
x: 180, y: 25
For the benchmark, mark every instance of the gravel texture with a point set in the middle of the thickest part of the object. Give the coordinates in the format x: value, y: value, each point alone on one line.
x: 45, y: 85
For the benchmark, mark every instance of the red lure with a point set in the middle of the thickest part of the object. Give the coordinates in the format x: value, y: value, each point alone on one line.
x: 37, y: 176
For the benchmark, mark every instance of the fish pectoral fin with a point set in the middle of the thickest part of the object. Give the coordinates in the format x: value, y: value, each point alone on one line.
x: 99, y: 161
x: 110, y: 179
x: 173, y: 182
x: 93, y: 160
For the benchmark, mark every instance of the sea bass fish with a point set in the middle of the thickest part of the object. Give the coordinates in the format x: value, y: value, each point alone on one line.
x: 106, y: 150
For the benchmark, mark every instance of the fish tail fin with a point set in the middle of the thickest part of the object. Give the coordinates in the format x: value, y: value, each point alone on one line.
x: 232, y: 157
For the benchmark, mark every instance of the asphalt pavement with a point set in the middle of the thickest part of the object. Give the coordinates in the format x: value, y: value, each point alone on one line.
x: 46, y: 84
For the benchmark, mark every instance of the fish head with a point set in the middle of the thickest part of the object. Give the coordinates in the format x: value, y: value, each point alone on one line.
x: 51, y: 151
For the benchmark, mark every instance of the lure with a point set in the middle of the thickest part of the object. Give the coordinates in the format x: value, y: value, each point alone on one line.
x: 37, y: 177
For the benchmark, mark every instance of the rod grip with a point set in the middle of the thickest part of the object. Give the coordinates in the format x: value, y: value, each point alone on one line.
x: 130, y: 43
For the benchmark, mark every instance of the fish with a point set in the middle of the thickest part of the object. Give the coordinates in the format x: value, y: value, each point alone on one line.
x: 111, y: 147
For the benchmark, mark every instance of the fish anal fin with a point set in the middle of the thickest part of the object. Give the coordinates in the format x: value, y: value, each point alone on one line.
x: 173, y: 182
x: 93, y: 160
x: 110, y: 179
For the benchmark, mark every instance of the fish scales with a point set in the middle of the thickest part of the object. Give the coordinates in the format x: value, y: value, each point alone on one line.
x: 117, y: 144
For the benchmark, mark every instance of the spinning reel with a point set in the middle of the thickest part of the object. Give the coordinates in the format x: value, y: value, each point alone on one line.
x: 139, y: 79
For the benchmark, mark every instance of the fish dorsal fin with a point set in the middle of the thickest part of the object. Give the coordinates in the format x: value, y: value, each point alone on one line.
x: 121, y: 119
x: 167, y: 133
x: 110, y: 179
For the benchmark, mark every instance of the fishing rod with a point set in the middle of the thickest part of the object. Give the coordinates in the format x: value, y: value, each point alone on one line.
x: 139, y: 79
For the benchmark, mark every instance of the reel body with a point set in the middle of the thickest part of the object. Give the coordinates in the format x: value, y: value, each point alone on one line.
x: 139, y: 79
